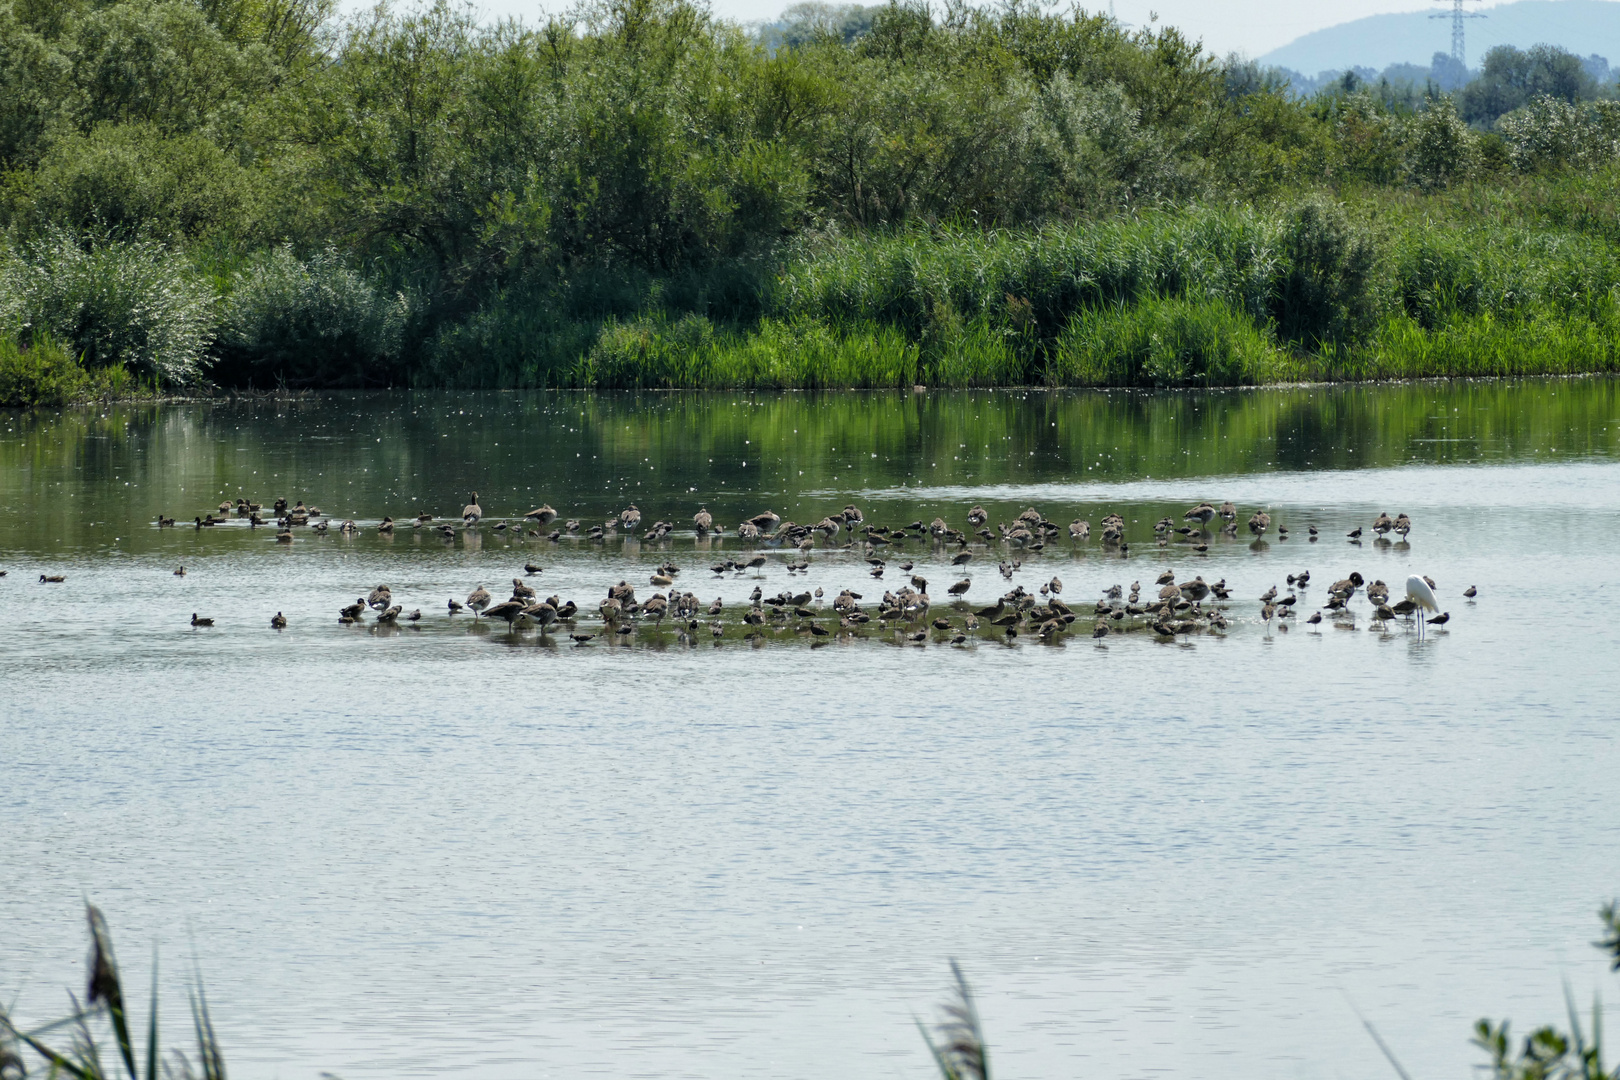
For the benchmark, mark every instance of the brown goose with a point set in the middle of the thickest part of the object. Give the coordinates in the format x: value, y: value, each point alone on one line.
x: 478, y: 600
x: 1203, y: 513
x: 472, y: 511
x: 703, y: 521
x: 506, y: 609
x: 543, y: 514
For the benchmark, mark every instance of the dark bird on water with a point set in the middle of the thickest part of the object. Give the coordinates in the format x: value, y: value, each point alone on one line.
x: 278, y: 621
x: 195, y: 621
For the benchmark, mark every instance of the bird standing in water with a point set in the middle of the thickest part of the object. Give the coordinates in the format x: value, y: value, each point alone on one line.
x: 1419, y: 592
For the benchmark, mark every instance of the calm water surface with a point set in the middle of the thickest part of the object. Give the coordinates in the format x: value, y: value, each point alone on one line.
x: 449, y: 848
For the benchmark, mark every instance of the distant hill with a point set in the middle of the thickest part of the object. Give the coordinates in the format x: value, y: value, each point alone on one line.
x: 1584, y: 27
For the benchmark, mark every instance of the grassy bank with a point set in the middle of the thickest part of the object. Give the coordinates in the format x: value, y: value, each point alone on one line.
x: 637, y: 194
x: 1314, y: 290
x: 1319, y: 291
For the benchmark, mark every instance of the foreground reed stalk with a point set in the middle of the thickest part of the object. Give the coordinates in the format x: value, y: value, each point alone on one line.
x: 957, y: 1042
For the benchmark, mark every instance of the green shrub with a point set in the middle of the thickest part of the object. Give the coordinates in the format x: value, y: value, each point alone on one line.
x: 1441, y: 149
x: 42, y: 373
x: 136, y: 303
x: 1165, y: 342
x: 134, y: 180
x: 309, y: 323
x: 1323, y: 288
x: 1550, y: 135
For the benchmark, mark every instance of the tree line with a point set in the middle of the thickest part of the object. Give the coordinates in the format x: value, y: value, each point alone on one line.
x: 257, y: 191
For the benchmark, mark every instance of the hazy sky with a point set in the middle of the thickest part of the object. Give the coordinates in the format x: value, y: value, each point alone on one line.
x: 1248, y: 26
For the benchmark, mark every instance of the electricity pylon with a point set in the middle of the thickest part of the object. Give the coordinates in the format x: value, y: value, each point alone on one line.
x: 1459, y: 49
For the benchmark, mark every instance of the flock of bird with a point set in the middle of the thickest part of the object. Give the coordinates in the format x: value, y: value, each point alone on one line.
x: 1169, y: 608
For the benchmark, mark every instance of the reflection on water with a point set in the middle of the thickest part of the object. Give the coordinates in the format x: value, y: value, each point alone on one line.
x: 449, y: 846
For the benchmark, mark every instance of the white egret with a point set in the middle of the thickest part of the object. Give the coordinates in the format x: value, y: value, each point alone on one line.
x: 1418, y: 591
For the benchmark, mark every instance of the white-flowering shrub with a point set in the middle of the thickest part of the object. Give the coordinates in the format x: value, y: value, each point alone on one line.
x: 1550, y: 133
x: 131, y: 302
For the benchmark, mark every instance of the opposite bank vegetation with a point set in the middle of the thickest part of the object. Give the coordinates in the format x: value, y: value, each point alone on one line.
x: 253, y: 193
x: 100, y: 1038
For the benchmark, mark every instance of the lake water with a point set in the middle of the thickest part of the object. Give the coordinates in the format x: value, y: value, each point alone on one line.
x: 451, y: 848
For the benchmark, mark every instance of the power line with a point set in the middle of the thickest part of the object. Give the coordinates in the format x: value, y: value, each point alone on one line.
x: 1459, y: 50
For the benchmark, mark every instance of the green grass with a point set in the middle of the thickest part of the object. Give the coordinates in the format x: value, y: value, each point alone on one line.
x: 1160, y: 342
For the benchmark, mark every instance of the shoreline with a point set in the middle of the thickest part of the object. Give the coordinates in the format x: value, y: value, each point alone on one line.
x: 232, y: 396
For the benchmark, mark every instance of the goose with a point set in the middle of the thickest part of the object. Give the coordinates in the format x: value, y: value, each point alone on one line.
x: 543, y: 514
x: 386, y: 525
x: 521, y: 591
x: 962, y: 558
x: 472, y: 511
x: 180, y: 572
x: 630, y: 518
x: 380, y: 597
x: 478, y: 600
x: 506, y: 609
x: 1079, y: 530
x: 1228, y: 512
x: 977, y: 517
x: 390, y: 615
x: 1383, y: 524
x: 1203, y: 513
x: 352, y: 611
x: 195, y: 621
x: 532, y: 568
x: 960, y: 588
x: 1403, y: 525
x: 1259, y: 523
x: 543, y: 613
x: 703, y: 521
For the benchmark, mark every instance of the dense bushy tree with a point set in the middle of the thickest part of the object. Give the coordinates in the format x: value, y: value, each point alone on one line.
x: 1511, y: 79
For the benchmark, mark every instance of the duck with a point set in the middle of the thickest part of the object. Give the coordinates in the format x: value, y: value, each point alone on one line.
x: 278, y: 621
x: 195, y: 621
